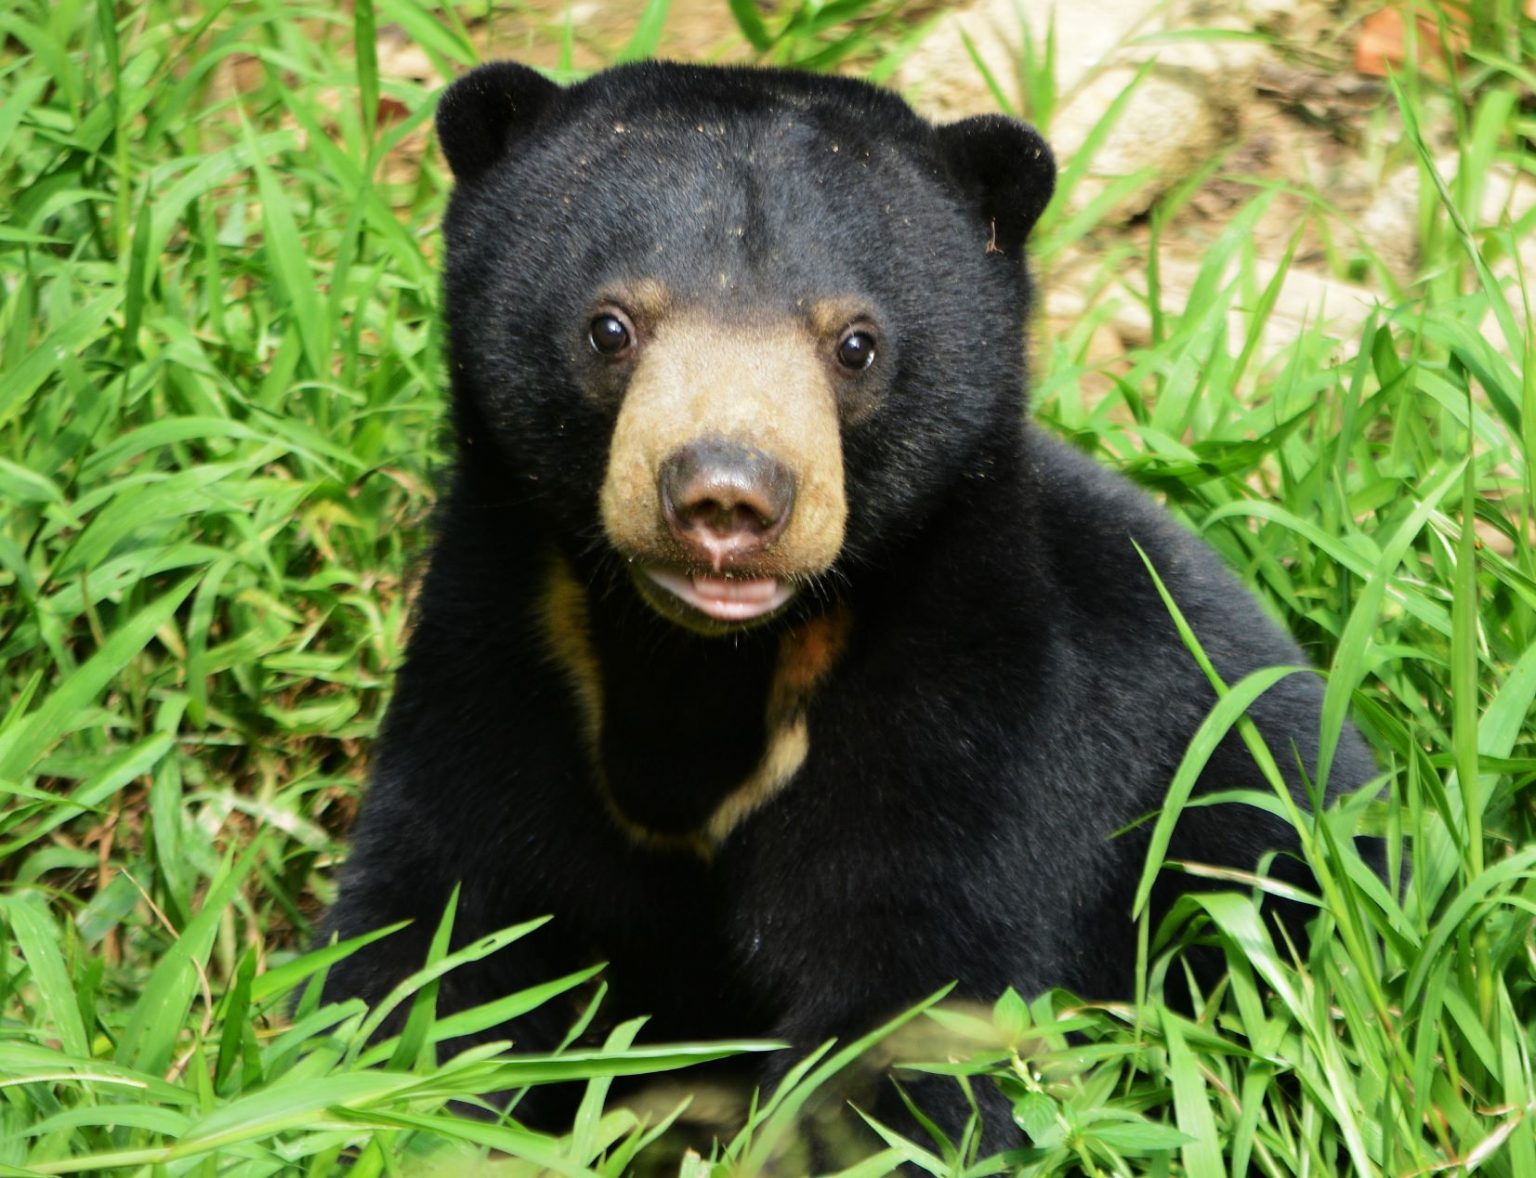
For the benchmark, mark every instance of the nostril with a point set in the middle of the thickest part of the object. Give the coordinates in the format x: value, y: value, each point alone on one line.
x: 726, y: 518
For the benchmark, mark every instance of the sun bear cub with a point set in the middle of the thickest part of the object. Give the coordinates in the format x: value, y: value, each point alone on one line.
x: 765, y: 643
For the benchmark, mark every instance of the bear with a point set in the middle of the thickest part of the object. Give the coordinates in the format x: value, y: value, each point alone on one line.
x: 765, y: 642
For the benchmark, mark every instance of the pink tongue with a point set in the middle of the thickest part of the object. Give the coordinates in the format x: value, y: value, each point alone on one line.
x: 726, y: 600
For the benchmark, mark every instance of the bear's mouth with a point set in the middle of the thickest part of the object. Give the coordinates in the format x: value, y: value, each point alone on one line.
x: 724, y: 600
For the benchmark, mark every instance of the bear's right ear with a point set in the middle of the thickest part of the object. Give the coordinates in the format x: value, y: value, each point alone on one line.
x: 1007, y: 171
x: 486, y: 111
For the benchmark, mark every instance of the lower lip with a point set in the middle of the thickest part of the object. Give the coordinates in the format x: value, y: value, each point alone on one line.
x: 725, y: 600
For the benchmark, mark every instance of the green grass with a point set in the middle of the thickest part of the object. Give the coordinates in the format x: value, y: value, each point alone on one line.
x: 220, y: 422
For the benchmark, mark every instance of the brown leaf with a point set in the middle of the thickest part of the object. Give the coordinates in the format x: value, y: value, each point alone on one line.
x: 1383, y: 45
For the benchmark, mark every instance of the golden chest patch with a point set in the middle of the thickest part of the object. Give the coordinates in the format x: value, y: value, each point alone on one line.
x: 806, y: 654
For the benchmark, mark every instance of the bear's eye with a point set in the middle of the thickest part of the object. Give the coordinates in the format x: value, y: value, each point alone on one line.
x: 609, y: 334
x: 856, y: 351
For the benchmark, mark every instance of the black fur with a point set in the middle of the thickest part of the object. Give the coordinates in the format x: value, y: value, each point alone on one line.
x: 1013, y: 690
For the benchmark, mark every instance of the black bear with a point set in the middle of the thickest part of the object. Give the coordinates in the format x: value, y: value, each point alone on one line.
x: 765, y: 644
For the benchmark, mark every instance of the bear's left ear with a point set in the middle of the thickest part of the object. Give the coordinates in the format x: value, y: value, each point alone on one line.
x: 486, y: 111
x: 1006, y: 169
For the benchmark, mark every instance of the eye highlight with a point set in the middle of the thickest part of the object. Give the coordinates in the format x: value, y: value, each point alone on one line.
x: 856, y: 351
x: 610, y: 333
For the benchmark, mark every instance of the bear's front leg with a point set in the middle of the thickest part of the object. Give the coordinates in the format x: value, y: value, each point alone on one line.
x: 878, y: 1085
x: 842, y: 942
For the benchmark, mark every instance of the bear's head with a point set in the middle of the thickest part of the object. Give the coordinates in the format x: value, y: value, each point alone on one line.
x: 738, y: 331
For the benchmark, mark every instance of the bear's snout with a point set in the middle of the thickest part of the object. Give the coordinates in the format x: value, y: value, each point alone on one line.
x: 724, y: 502
x: 726, y: 490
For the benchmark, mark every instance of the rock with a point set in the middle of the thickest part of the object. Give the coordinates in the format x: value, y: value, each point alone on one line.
x: 1390, y: 225
x: 943, y: 81
x: 1306, y: 300
x: 1185, y: 108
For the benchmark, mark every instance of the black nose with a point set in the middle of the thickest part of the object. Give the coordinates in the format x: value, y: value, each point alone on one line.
x: 725, y: 502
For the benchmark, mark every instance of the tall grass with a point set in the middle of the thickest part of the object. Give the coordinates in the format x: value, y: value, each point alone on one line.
x: 220, y: 408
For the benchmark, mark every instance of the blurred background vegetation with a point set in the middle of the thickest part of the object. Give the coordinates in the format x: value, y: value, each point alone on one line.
x: 1285, y: 284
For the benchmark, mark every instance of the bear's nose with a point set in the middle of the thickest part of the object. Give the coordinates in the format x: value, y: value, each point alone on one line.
x: 723, y: 501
